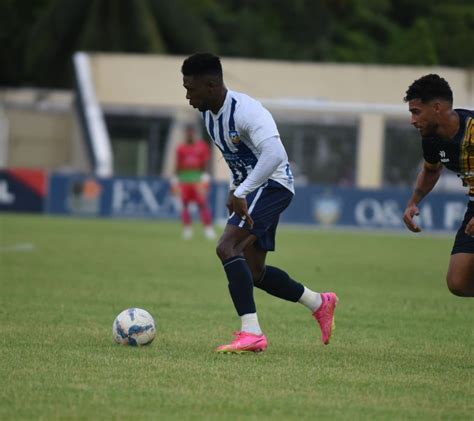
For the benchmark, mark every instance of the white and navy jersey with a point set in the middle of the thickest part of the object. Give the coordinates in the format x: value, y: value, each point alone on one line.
x: 237, y: 130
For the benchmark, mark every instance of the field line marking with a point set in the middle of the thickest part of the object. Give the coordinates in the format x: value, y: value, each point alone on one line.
x: 17, y: 247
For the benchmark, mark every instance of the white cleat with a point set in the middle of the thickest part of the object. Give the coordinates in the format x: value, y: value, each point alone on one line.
x: 209, y: 233
x: 187, y: 233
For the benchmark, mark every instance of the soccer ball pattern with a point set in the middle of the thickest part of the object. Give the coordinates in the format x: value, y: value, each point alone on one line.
x: 135, y: 327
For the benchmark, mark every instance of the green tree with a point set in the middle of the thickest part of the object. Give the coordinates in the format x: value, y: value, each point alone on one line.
x: 16, y: 20
x: 277, y: 29
x: 38, y: 38
x: 453, y: 25
x: 415, y: 46
x: 363, y: 30
x: 183, y: 27
x: 94, y: 25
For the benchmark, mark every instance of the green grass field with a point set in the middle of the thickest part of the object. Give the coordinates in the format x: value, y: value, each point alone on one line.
x: 403, y: 347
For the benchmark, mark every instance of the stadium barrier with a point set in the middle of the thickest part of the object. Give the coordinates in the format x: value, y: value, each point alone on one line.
x: 28, y: 190
x: 373, y: 209
x: 316, y: 205
x: 23, y: 190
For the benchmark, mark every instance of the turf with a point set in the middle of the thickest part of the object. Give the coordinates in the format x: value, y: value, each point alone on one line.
x: 403, y: 347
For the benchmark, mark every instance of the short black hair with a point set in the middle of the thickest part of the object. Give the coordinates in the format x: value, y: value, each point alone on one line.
x: 429, y: 87
x: 202, y: 64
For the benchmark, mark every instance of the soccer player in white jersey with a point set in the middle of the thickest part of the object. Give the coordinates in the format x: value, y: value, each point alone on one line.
x: 261, y: 189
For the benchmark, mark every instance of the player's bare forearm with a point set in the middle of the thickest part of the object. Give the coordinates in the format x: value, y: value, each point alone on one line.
x: 418, y: 195
x: 426, y: 180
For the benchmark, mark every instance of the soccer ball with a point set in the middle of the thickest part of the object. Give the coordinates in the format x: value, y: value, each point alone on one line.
x: 134, y: 326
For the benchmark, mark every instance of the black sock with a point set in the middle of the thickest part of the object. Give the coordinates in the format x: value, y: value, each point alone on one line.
x: 278, y: 283
x: 240, y: 284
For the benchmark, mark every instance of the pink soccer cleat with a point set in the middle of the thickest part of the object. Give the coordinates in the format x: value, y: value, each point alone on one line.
x: 244, y: 342
x: 325, y: 315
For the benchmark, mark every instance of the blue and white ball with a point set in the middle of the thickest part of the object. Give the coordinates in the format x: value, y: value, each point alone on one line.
x: 135, y: 327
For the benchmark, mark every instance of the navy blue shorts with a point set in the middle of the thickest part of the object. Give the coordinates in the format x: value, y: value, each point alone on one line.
x: 265, y: 206
x: 464, y: 243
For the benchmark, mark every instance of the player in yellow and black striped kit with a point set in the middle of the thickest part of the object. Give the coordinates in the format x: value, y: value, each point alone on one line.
x: 447, y: 139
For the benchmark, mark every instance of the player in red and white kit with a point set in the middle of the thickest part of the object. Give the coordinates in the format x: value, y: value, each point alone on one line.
x: 192, y: 181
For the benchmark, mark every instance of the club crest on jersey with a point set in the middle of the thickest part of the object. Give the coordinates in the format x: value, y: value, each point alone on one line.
x: 234, y: 136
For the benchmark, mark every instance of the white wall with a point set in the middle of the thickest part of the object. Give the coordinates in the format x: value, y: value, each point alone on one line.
x: 42, y: 131
x: 307, y: 91
x: 156, y: 81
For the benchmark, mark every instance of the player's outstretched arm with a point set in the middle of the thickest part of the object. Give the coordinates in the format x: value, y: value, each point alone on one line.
x: 426, y: 180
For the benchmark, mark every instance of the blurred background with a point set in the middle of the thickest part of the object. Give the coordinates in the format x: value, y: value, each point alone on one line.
x: 92, y: 106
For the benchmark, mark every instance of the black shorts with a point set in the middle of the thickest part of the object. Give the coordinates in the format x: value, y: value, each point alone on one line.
x: 464, y: 243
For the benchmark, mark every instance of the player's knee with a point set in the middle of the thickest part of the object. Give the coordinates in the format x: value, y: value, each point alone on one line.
x: 454, y: 289
x: 224, y: 251
x: 257, y: 275
x: 460, y: 287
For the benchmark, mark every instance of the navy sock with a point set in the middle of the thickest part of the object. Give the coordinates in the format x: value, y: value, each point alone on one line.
x: 240, y: 284
x: 278, y: 283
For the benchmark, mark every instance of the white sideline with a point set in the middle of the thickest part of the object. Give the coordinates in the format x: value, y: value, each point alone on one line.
x: 17, y: 247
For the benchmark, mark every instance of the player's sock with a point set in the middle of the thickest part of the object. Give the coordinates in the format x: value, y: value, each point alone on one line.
x: 186, y: 215
x: 278, y: 283
x: 250, y: 324
x: 311, y: 299
x: 206, y: 216
x: 240, y: 284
